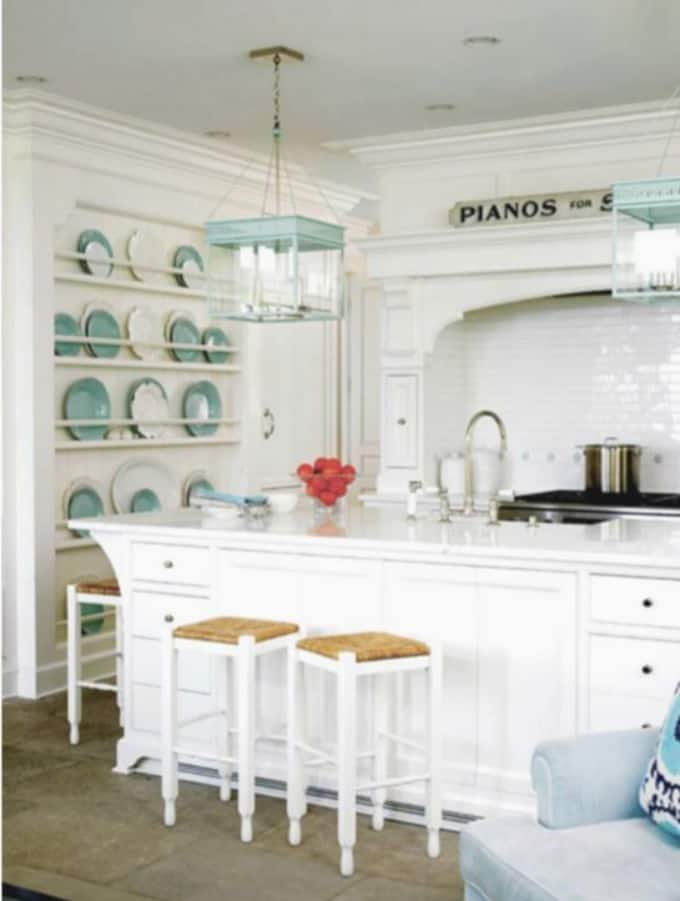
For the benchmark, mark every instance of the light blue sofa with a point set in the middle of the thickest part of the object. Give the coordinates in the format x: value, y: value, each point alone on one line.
x: 592, y: 841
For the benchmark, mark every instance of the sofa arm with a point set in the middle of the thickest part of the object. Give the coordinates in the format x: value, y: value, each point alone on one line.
x: 592, y: 778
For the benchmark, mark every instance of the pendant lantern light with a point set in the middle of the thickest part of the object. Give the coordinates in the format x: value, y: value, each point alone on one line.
x: 280, y: 266
x: 646, y: 252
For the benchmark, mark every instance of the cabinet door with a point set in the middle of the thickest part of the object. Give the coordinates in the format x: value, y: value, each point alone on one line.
x: 527, y: 671
x: 438, y: 602
x: 321, y: 594
x: 295, y: 381
x: 400, y: 428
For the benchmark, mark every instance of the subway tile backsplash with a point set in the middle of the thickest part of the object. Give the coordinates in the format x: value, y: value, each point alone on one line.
x: 561, y: 372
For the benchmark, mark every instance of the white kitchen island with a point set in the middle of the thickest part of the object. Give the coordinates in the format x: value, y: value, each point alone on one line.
x: 547, y: 631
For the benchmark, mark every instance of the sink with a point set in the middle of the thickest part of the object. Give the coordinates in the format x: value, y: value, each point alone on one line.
x: 510, y: 513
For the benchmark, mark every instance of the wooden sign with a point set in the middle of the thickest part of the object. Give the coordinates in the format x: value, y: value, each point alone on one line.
x: 531, y: 208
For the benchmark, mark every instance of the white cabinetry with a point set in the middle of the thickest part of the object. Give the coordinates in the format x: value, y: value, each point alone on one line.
x: 400, y: 427
x: 633, y: 660
x: 527, y: 670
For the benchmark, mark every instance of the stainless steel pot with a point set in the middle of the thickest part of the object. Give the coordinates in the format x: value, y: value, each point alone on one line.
x: 612, y: 467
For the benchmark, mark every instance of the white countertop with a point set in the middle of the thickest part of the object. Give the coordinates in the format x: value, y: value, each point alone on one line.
x: 379, y: 531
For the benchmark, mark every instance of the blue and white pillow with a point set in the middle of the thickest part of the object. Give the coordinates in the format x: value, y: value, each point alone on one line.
x: 660, y: 789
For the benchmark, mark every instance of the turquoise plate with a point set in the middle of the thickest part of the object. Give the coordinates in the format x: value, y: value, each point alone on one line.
x: 94, y: 625
x: 64, y: 324
x: 183, y: 331
x: 83, y: 504
x: 199, y: 485
x: 87, y: 399
x: 190, y: 260
x: 99, y: 251
x: 202, y: 401
x: 145, y: 501
x: 216, y: 338
x: 102, y: 324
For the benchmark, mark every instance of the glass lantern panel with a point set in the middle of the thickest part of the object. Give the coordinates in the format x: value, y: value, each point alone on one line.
x: 275, y: 269
x: 646, y: 253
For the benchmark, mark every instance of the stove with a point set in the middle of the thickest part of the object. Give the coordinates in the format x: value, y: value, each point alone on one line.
x: 583, y: 507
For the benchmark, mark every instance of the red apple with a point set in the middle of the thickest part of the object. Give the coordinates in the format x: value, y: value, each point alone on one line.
x: 327, y: 498
x: 319, y: 464
x: 348, y: 473
x: 332, y: 468
x: 305, y: 472
x: 337, y: 486
x: 319, y: 483
x: 311, y: 490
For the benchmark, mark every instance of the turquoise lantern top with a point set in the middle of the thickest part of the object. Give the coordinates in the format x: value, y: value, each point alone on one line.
x: 276, y: 268
x: 646, y: 253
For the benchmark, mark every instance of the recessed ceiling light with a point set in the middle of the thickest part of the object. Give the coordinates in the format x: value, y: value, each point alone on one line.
x: 217, y: 133
x: 481, y: 40
x: 31, y: 79
x: 440, y: 107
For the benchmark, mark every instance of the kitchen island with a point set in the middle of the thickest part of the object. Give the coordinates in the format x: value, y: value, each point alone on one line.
x: 547, y: 631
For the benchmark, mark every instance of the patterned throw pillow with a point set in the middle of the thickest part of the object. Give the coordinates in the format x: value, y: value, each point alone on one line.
x: 660, y: 789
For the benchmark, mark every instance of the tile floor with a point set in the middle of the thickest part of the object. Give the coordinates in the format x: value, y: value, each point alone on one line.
x: 74, y: 829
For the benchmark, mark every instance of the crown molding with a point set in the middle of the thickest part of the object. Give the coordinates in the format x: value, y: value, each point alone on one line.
x: 54, y: 128
x: 638, y: 123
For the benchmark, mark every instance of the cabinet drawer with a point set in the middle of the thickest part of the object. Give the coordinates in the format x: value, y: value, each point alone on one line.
x: 171, y: 563
x: 609, y: 713
x: 632, y: 666
x: 149, y: 609
x: 194, y: 671
x: 640, y: 602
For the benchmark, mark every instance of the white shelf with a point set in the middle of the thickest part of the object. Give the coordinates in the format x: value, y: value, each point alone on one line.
x: 69, y: 423
x: 149, y: 365
x: 156, y: 345
x: 139, y: 443
x: 130, y: 285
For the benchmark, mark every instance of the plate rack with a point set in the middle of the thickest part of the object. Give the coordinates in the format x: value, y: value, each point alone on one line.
x: 217, y: 454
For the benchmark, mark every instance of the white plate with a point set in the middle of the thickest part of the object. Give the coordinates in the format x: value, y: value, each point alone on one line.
x: 144, y: 249
x: 135, y: 475
x: 149, y: 407
x: 143, y: 327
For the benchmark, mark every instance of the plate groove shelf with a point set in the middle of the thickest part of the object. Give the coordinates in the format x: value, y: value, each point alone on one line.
x: 113, y: 443
x: 104, y: 363
x: 130, y: 285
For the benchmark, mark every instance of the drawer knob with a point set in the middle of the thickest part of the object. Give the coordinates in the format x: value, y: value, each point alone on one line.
x: 401, y: 421
x: 648, y: 602
x: 647, y: 669
x: 169, y: 618
x: 646, y: 726
x: 168, y: 564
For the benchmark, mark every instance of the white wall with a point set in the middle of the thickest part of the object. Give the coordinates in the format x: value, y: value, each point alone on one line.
x: 560, y: 371
x: 532, y: 359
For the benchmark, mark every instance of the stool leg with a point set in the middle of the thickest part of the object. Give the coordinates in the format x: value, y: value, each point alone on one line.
x: 380, y: 714
x: 223, y: 742
x: 119, y: 664
x: 169, y: 781
x: 433, y: 813
x: 295, y: 794
x: 74, y: 691
x: 347, y: 760
x: 246, y: 735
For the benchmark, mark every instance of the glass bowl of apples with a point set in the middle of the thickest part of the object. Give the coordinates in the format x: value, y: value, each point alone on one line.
x: 326, y: 480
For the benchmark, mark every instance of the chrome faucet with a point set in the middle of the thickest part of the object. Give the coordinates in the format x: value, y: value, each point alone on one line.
x: 468, y: 501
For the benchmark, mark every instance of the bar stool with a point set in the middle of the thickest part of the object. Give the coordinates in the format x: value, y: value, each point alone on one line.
x: 380, y: 655
x: 226, y: 638
x: 107, y: 593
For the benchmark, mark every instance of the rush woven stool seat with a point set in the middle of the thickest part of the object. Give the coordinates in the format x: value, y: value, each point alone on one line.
x: 89, y: 593
x: 234, y: 643
x: 380, y: 656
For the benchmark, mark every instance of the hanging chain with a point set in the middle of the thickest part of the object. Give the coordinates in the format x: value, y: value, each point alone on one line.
x: 277, y: 96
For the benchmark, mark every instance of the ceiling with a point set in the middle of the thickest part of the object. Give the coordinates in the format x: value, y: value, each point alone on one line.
x: 372, y: 65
